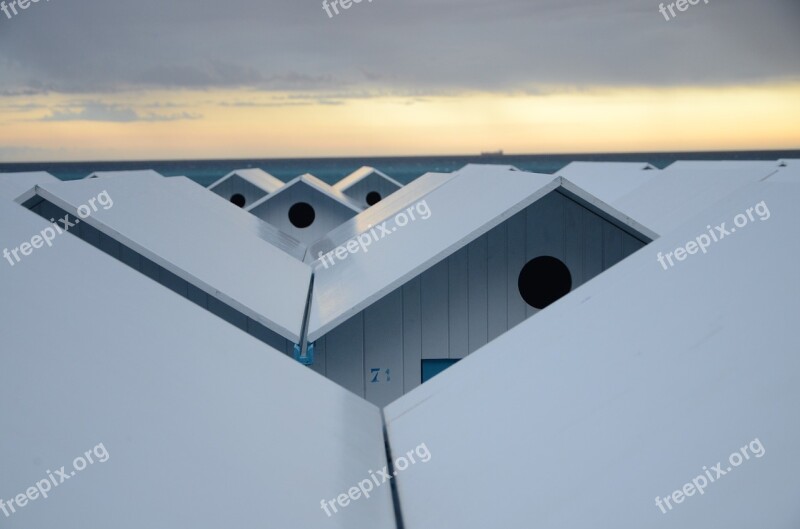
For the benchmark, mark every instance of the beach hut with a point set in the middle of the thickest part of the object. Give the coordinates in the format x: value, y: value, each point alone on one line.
x: 488, y: 248
x: 367, y: 186
x: 146, y: 402
x: 306, y: 208
x: 617, y: 406
x: 204, y: 249
x: 243, y: 187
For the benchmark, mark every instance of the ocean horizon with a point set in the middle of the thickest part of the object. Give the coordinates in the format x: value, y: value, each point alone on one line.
x: 404, y: 169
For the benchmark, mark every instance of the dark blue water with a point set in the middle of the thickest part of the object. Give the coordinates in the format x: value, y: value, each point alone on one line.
x: 403, y: 169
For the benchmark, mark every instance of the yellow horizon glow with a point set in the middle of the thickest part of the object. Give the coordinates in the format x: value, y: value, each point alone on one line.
x: 605, y: 120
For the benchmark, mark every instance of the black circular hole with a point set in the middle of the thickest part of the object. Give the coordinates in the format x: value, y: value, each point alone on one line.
x: 238, y: 199
x: 301, y: 215
x: 543, y: 280
x: 373, y: 197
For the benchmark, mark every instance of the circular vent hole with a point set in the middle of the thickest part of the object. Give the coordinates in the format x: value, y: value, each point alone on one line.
x: 543, y: 280
x: 238, y: 199
x: 301, y: 215
x: 373, y: 197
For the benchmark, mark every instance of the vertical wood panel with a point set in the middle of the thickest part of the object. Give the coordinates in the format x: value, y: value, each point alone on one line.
x: 497, y: 264
x: 478, y: 252
x: 412, y: 335
x: 459, y: 303
x: 630, y: 244
x: 110, y: 246
x: 612, y: 245
x: 574, y: 234
x: 434, y: 305
x: 344, y: 351
x: 545, y: 225
x: 180, y: 286
x: 225, y: 312
x: 516, y: 228
x: 319, y: 356
x: 383, y: 349
x: 131, y: 258
x: 592, y: 245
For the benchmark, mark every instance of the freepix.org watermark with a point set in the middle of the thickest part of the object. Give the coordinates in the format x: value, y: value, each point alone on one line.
x: 365, y: 486
x: 699, y: 484
x: 376, y: 233
x: 48, y: 235
x: 716, y: 234
x: 335, y: 4
x: 681, y: 5
x: 42, y: 488
x: 11, y: 7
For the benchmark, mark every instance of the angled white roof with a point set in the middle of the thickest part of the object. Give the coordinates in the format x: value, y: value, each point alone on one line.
x: 316, y: 184
x: 788, y: 173
x: 258, y: 177
x: 213, y: 245
x: 359, y: 175
x: 147, y: 173
x: 624, y: 390
x: 13, y: 185
x: 186, y: 406
x: 608, y: 180
x: 723, y: 164
x: 383, y: 210
x: 474, y: 201
x: 686, y: 188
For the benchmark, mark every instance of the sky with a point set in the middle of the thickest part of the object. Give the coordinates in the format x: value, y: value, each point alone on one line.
x: 182, y: 79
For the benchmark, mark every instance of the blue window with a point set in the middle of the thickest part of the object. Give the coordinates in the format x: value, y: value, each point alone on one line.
x: 431, y: 368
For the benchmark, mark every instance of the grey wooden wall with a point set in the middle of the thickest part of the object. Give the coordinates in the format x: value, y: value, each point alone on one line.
x: 466, y: 300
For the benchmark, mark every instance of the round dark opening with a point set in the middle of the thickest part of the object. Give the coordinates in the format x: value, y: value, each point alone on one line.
x: 373, y: 197
x: 301, y: 215
x: 543, y: 280
x: 238, y: 199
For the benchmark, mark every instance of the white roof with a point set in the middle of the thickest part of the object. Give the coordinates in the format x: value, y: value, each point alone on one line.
x: 360, y: 174
x: 477, y: 199
x: 204, y: 426
x: 686, y: 188
x: 624, y: 390
x: 210, y: 243
x: 257, y: 177
x: 13, y: 185
x: 608, y: 180
x: 315, y: 183
x: 147, y: 173
x: 789, y: 173
x: 383, y: 210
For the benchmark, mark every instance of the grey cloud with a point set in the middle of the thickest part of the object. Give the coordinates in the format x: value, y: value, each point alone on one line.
x: 419, y: 47
x: 97, y: 111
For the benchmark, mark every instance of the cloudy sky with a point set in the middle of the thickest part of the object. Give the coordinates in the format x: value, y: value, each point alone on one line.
x: 148, y: 79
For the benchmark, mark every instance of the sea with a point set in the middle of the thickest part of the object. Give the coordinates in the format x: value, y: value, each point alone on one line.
x: 402, y: 169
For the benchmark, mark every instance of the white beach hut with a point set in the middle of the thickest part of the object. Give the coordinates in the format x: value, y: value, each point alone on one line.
x: 367, y: 186
x: 243, y: 187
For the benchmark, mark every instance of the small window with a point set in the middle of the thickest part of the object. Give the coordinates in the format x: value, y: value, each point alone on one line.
x: 373, y: 197
x: 431, y: 368
x: 543, y: 280
x: 238, y: 199
x: 302, y: 215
